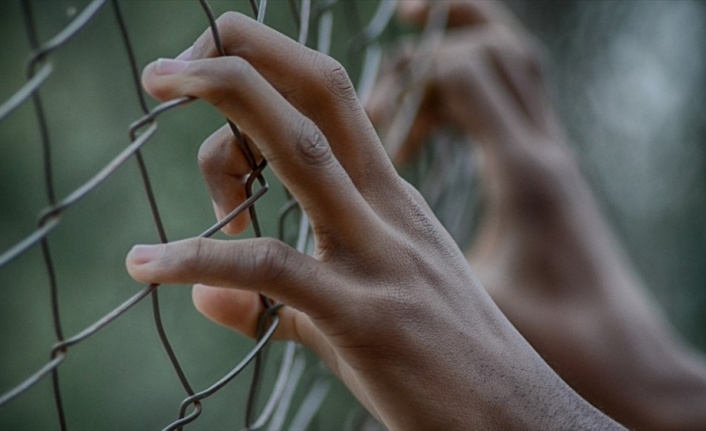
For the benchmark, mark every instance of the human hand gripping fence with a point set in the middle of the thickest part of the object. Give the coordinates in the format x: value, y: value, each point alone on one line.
x: 387, y: 299
x: 140, y: 132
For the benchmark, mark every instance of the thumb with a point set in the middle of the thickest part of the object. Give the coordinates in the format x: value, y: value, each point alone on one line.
x: 262, y: 265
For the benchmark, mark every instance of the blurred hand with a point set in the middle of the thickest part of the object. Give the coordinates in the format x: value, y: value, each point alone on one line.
x: 542, y: 250
x: 485, y: 79
x: 387, y: 301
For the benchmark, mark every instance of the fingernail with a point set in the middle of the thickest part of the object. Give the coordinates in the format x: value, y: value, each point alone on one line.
x: 186, y: 55
x: 167, y: 66
x: 141, y: 254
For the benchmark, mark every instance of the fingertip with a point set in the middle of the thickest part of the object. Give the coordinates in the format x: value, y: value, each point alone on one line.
x: 201, y: 296
x: 156, y: 78
x: 235, y: 226
x: 149, y: 81
x: 141, y: 254
x: 139, y: 258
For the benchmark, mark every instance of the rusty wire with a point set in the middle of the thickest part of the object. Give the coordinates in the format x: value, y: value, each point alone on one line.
x: 39, y: 70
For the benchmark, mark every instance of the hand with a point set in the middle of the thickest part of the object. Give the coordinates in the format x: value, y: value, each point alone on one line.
x: 484, y: 79
x: 543, y: 250
x: 387, y: 301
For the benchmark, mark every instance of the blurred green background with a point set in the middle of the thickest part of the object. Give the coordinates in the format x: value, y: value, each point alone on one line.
x: 628, y: 80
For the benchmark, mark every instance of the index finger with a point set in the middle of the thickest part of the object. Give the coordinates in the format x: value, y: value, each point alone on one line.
x: 293, y: 145
x: 313, y: 83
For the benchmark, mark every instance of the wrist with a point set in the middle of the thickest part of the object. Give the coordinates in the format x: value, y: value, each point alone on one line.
x: 490, y: 379
x: 674, y: 397
x: 644, y: 377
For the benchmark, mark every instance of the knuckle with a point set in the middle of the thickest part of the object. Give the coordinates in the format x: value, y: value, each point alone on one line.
x: 239, y: 66
x: 269, y: 260
x: 195, y: 254
x: 231, y: 21
x: 203, y: 160
x: 232, y: 25
x: 207, y: 161
x: 337, y: 82
x: 503, y: 42
x: 335, y: 76
x: 521, y: 46
x: 229, y: 18
x: 228, y: 24
x: 215, y: 83
x: 412, y: 191
x: 311, y: 146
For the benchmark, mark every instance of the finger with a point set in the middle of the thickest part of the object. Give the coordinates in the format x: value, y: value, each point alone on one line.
x: 293, y: 145
x: 384, y: 107
x: 393, y: 79
x: 461, y: 12
x: 519, y: 67
x: 499, y: 61
x: 235, y: 309
x: 424, y: 125
x: 241, y: 310
x: 385, y: 104
x: 257, y: 265
x: 225, y: 170
x: 484, y: 108
x: 470, y: 88
x: 466, y: 90
x: 314, y: 84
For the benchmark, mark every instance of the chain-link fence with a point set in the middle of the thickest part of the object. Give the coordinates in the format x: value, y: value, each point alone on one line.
x: 288, y: 403
x: 85, y: 173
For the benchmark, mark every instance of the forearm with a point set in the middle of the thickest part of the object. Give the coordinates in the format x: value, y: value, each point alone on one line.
x: 669, y: 385
x: 683, y: 396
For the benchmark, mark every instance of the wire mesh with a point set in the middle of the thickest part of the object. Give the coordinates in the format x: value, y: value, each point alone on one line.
x: 439, y: 182
x: 306, y: 15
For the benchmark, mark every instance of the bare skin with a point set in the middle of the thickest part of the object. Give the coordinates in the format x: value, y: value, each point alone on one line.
x: 388, y: 301
x: 543, y: 250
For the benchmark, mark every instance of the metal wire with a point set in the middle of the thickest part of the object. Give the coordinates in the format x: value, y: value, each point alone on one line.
x: 306, y: 15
